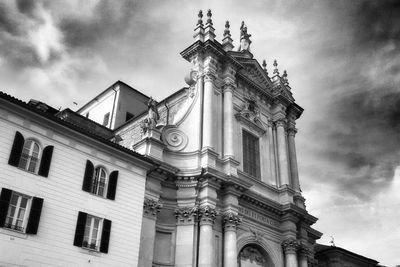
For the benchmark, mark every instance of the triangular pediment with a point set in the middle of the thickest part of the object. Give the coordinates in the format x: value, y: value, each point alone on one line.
x: 253, y: 71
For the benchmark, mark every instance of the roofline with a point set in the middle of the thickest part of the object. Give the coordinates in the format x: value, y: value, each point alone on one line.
x: 75, y: 128
x: 108, y: 89
x: 327, y: 248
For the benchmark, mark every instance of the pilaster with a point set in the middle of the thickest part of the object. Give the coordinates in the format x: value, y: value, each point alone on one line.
x: 282, y: 152
x: 290, y: 247
x: 230, y: 221
x: 207, y: 214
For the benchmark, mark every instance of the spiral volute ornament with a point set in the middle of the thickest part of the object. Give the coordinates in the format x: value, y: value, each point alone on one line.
x: 175, y: 139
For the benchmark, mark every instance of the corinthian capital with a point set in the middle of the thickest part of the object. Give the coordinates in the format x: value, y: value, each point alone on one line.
x: 280, y: 123
x: 292, y: 131
x: 231, y: 220
x: 207, y: 214
x: 151, y: 207
x: 209, y: 76
x: 290, y: 245
x: 185, y: 215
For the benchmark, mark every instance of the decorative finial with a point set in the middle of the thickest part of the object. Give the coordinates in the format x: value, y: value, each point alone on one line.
x: 209, y: 15
x: 200, y: 21
x: 227, y: 31
x: 276, y: 67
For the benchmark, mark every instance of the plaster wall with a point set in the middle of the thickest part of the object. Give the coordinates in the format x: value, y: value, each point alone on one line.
x: 64, y: 198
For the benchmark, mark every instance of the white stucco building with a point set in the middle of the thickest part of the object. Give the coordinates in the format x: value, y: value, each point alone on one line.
x: 206, y: 177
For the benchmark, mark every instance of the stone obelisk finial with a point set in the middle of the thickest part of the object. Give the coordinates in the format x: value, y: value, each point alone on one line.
x: 199, y: 30
x: 209, y: 29
x: 227, y: 40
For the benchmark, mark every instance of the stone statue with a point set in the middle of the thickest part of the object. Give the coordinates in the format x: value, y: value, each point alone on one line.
x: 152, y: 116
x: 244, y: 38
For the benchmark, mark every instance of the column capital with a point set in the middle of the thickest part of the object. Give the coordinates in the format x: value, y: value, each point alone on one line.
x: 229, y: 86
x: 304, y: 251
x: 151, y: 207
x: 186, y: 215
x: 207, y: 214
x: 280, y: 123
x: 290, y: 246
x: 292, y: 131
x: 209, y: 76
x: 231, y: 220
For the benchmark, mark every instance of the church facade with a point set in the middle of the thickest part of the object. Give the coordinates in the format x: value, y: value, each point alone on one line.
x: 206, y: 177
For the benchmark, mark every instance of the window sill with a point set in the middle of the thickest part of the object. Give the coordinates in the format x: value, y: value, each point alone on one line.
x: 89, y: 251
x: 13, y: 233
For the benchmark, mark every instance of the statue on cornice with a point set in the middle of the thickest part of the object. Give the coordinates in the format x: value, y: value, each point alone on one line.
x: 152, y: 116
x: 244, y: 38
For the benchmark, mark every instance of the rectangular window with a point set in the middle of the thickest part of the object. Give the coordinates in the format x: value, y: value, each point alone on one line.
x: 251, y: 154
x: 128, y: 116
x: 92, y: 232
x: 91, y: 238
x: 106, y: 119
x: 16, y: 215
x: 20, y: 212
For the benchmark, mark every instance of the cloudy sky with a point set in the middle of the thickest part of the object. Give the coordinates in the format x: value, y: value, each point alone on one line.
x: 343, y: 61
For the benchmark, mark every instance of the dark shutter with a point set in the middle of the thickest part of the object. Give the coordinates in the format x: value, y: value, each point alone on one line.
x: 80, y: 229
x: 87, y: 179
x: 5, y: 198
x: 16, y: 150
x: 105, y: 236
x: 45, y: 161
x: 112, y: 185
x: 34, y: 215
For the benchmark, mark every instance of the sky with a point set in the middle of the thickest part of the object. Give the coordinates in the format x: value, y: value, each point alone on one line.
x: 343, y: 64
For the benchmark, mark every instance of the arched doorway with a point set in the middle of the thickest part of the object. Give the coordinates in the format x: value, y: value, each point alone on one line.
x: 253, y: 255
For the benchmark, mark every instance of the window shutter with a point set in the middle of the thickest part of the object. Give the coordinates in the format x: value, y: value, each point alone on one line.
x: 80, y: 229
x: 34, y: 215
x: 87, y: 179
x: 4, y: 202
x: 45, y: 161
x: 112, y: 185
x: 105, y: 236
x: 16, y: 150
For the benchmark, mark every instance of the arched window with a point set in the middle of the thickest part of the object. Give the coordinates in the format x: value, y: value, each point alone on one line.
x: 99, y: 181
x: 30, y: 156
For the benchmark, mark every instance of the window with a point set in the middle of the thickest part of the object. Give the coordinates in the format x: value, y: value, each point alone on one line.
x: 19, y: 212
x: 129, y: 116
x: 92, y: 232
x: 30, y: 156
x: 251, y: 154
x: 99, y: 182
x: 106, y: 119
x: 95, y: 181
x: 27, y: 154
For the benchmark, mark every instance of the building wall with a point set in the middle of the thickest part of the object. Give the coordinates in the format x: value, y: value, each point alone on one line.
x: 64, y: 198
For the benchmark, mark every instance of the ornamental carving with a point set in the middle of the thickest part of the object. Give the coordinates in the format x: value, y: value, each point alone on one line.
x: 292, y: 131
x: 207, y: 214
x: 175, y: 139
x: 280, y: 123
x: 253, y: 255
x: 290, y: 245
x: 186, y: 214
x: 151, y: 207
x: 250, y: 114
x: 231, y: 220
x: 257, y: 234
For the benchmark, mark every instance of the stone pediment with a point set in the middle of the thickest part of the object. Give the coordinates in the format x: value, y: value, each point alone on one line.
x: 254, y: 72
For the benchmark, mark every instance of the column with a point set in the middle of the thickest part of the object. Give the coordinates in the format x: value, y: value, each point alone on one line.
x: 206, y: 245
x: 293, y: 159
x: 290, y: 247
x: 303, y: 256
x: 231, y: 220
x: 185, y: 213
x: 282, y: 152
x: 208, y: 110
x: 185, y: 235
x: 271, y: 154
x: 228, y: 121
x: 150, y: 209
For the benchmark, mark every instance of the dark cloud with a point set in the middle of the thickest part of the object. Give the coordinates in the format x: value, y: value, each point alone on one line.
x: 27, y: 6
x: 9, y: 22
x: 109, y: 19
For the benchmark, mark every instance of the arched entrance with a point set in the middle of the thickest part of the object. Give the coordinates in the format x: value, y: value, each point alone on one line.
x: 253, y: 255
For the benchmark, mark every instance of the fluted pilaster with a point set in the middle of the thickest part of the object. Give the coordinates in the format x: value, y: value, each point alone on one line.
x: 282, y: 152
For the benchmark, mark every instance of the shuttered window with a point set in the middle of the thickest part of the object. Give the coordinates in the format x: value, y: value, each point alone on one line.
x: 96, y: 181
x: 27, y: 154
x: 251, y: 154
x: 19, y: 212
